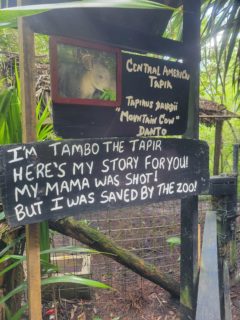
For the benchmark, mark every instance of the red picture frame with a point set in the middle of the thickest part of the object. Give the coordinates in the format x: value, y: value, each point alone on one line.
x: 85, y: 73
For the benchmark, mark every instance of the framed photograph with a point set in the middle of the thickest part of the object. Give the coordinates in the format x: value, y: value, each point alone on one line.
x: 84, y: 73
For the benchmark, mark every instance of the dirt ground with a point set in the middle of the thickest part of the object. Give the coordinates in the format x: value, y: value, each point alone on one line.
x: 235, y: 299
x: 148, y: 303
x: 133, y: 297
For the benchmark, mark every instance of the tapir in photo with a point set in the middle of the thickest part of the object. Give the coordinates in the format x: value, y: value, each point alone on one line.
x: 85, y: 80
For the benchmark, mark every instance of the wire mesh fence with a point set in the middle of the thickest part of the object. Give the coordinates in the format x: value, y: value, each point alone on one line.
x: 145, y: 231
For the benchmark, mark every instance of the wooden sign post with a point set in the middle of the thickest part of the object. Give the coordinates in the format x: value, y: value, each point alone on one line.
x: 27, y: 54
x: 189, y: 206
x: 152, y: 99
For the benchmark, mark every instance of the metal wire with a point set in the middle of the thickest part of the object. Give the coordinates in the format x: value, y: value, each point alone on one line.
x: 142, y: 230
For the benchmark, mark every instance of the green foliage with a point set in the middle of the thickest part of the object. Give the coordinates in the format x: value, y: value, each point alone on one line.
x: 9, y: 16
x: 220, y: 40
x: 231, y: 135
x: 8, y: 40
x: 207, y: 134
x: 44, y: 130
x: 11, y: 132
x: 10, y: 117
x: 10, y: 113
x: 2, y: 216
x: 70, y: 250
x: 22, y: 287
x: 220, y: 69
x: 75, y: 280
x: 45, y: 241
x: 220, y: 53
x: 18, y: 314
x: 175, y: 26
x: 108, y: 95
x: 48, y: 268
x: 49, y: 281
x: 173, y: 242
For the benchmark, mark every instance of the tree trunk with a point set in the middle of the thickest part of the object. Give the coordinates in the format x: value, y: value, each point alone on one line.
x: 93, y: 238
x: 217, y: 147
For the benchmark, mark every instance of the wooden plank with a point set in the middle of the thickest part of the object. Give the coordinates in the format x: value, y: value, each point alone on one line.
x: 235, y: 158
x: 219, y: 116
x: 208, y: 300
x: 79, y: 264
x: 27, y: 54
x: 189, y: 210
x: 137, y: 30
x: 191, y: 37
x: 50, y: 180
x: 33, y: 272
x: 189, y: 256
x: 199, y: 245
x: 217, y: 146
x: 151, y: 94
x: 227, y: 298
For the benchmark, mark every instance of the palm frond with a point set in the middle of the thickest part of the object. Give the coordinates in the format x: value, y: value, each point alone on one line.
x: 8, y: 16
x: 220, y: 32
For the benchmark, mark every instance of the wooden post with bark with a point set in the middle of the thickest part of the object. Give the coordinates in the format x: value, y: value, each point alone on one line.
x: 217, y: 146
x: 189, y: 206
x: 27, y: 55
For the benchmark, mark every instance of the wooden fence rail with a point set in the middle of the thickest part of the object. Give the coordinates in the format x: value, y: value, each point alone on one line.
x: 208, y: 299
x: 213, y: 299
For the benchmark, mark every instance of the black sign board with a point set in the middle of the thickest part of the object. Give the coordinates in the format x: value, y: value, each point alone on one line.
x: 53, y: 179
x: 102, y: 92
